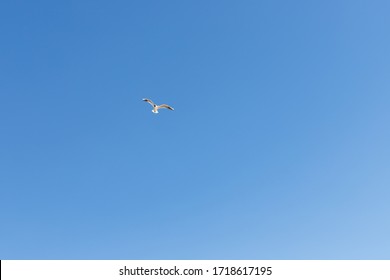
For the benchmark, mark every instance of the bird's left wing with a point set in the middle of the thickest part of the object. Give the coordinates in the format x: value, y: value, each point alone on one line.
x: 149, y: 101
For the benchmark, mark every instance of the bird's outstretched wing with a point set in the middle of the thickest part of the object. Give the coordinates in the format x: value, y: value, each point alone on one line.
x: 149, y: 101
x: 165, y: 106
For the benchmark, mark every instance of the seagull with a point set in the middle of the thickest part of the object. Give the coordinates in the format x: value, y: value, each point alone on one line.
x: 156, y: 107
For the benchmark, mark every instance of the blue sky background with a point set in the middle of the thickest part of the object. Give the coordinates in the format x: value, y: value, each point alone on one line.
x: 278, y: 147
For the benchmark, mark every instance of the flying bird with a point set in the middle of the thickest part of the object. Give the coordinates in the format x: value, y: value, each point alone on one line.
x: 156, y: 107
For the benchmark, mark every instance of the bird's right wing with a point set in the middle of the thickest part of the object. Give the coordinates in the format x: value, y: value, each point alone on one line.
x: 165, y: 106
x: 149, y: 101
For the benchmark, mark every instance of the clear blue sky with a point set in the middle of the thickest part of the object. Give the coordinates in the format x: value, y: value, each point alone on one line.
x: 278, y: 147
